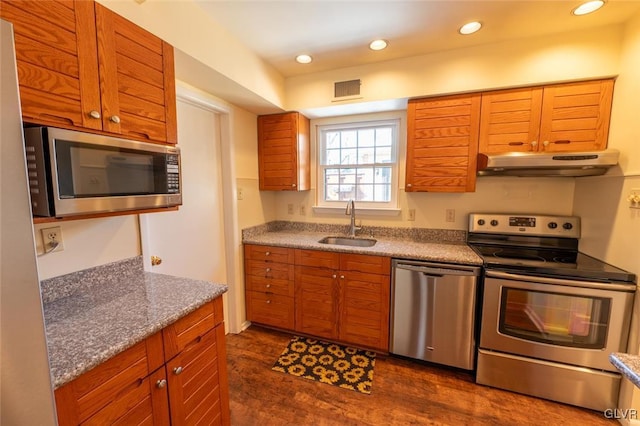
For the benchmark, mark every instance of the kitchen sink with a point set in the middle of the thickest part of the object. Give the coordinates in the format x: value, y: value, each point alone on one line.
x: 345, y: 241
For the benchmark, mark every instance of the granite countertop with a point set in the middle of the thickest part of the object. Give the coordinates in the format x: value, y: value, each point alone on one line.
x: 92, y: 315
x: 628, y: 364
x: 438, y: 245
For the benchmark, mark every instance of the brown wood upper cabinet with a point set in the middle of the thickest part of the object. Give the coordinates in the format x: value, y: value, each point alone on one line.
x: 283, y: 152
x: 442, y: 143
x: 562, y: 117
x: 83, y: 67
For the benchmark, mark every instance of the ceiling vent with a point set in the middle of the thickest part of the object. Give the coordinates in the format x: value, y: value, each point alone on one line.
x: 342, y: 89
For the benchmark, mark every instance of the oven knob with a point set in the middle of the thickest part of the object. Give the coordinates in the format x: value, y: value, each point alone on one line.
x: 553, y: 225
x: 494, y: 222
x: 567, y: 226
x: 481, y: 222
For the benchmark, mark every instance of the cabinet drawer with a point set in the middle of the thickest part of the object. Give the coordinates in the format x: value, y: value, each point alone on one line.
x: 270, y: 309
x: 261, y: 268
x: 190, y: 329
x: 268, y: 253
x: 120, y: 378
x: 365, y: 263
x: 269, y: 285
x: 317, y: 258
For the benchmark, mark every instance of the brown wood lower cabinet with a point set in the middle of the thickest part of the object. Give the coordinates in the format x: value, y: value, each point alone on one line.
x: 335, y: 296
x: 177, y: 376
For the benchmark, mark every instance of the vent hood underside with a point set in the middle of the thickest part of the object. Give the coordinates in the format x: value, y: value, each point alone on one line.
x: 569, y: 164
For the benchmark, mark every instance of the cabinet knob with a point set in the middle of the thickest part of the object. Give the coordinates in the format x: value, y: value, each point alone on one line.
x: 161, y: 383
x: 268, y: 302
x: 268, y: 269
x: 534, y: 144
x: 342, y: 277
x: 115, y: 119
x: 545, y: 143
x: 293, y: 185
x: 334, y: 276
x: 177, y: 370
x: 94, y: 114
x: 268, y: 286
x: 409, y: 185
x: 267, y: 253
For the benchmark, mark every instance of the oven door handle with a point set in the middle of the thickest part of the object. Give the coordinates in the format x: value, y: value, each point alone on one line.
x: 559, y: 281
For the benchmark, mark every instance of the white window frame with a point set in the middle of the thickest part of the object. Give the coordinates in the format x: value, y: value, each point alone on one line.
x: 343, y: 123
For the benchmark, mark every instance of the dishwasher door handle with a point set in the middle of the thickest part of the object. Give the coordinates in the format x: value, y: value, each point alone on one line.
x: 437, y: 272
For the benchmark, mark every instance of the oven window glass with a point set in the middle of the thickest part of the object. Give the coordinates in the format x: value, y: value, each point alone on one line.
x: 87, y: 170
x: 555, y: 318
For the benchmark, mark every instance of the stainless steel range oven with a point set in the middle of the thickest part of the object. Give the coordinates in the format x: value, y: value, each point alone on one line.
x: 550, y: 314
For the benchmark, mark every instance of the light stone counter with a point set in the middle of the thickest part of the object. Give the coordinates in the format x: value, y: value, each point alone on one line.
x: 92, y: 315
x: 628, y: 364
x: 439, y: 245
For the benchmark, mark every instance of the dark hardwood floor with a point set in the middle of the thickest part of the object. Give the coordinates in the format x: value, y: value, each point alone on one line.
x: 403, y: 393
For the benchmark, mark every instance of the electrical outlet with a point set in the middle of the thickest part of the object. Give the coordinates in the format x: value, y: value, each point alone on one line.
x: 290, y: 208
x: 303, y: 210
x: 52, y: 239
x: 451, y: 215
x: 412, y: 215
x: 240, y: 194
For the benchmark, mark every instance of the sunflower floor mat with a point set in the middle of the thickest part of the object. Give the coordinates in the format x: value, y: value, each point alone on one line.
x: 330, y: 363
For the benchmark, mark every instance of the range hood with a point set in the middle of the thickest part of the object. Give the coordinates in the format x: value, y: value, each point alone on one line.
x: 570, y: 164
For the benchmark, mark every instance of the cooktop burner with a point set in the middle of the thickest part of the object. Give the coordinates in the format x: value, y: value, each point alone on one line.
x: 533, y: 245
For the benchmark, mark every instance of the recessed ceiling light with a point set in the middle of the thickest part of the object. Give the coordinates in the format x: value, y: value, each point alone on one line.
x: 304, y: 59
x: 588, y: 7
x: 470, y: 28
x: 378, y: 44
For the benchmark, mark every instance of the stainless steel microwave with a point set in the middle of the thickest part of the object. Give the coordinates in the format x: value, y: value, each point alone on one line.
x: 73, y: 173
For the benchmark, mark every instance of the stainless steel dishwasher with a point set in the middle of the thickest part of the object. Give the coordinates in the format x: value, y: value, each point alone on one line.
x: 433, y: 312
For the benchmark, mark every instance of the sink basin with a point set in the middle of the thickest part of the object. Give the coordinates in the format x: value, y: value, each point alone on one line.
x: 345, y: 241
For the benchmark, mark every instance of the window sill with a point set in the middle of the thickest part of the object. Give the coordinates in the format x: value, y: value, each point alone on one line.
x: 360, y: 211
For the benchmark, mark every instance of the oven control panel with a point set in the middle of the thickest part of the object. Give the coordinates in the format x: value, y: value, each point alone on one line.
x: 540, y: 225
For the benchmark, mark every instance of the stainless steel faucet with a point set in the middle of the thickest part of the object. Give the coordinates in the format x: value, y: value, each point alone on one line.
x: 351, y: 210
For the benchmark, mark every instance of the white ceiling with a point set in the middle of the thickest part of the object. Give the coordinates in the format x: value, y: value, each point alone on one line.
x: 337, y: 32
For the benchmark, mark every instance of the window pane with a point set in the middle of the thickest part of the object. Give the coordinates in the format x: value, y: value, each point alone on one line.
x: 349, y: 156
x: 332, y: 140
x: 383, y: 175
x: 366, y: 156
x: 332, y: 193
x: 383, y: 154
x: 332, y: 157
x: 384, y: 136
x: 366, y: 137
x: 332, y: 175
x: 365, y: 175
x: 349, y: 138
x: 365, y: 193
x: 382, y: 193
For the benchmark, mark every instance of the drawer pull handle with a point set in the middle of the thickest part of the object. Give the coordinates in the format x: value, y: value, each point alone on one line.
x: 161, y: 383
x: 516, y: 143
x: 177, y: 370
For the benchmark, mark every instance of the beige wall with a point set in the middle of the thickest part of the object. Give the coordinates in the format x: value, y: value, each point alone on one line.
x: 571, y: 56
x: 611, y: 227
x: 89, y: 243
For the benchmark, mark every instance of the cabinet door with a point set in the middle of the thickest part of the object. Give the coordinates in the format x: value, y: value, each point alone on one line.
x: 57, y: 62
x: 283, y: 152
x: 197, y: 388
x: 364, y: 316
x: 510, y: 120
x: 316, y: 301
x: 442, y: 144
x: 138, y: 80
x: 575, y: 116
